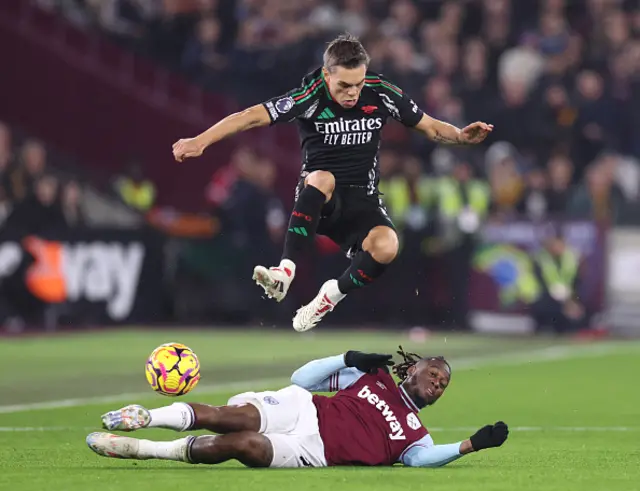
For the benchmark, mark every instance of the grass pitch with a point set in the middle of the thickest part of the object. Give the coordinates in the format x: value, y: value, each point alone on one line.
x: 573, y: 410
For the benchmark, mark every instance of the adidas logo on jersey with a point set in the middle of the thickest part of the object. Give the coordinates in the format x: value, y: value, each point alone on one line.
x: 326, y: 114
x: 397, y: 433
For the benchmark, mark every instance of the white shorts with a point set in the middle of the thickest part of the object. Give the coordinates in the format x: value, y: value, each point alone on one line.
x: 290, y: 421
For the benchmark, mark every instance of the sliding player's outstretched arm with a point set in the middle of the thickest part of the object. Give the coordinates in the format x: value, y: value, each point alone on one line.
x: 425, y: 454
x: 338, y: 372
x: 253, y: 117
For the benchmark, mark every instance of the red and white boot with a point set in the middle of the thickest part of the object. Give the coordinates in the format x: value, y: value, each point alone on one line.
x: 307, y: 317
x: 277, y: 280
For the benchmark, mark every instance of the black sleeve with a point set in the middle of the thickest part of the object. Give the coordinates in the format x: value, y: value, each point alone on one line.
x: 297, y: 103
x: 400, y: 106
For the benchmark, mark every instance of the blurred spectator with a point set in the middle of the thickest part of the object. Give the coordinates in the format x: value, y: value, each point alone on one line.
x: 472, y: 81
x: 72, y: 205
x: 535, y: 203
x: 252, y: 215
x: 6, y: 148
x: 203, y: 51
x: 40, y: 211
x: 505, y: 180
x: 407, y: 191
x: 595, y: 126
x: 558, y: 307
x: 461, y: 206
x: 135, y: 190
x: 5, y: 205
x: 560, y: 170
x: 598, y: 198
x: 125, y: 19
x: 6, y: 161
x: 31, y: 165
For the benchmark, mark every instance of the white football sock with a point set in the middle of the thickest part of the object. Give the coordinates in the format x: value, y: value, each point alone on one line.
x: 333, y: 292
x: 179, y: 416
x: 290, y: 265
x: 175, y: 450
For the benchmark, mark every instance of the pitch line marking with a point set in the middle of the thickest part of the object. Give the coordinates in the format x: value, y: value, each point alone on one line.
x: 552, y: 353
x: 570, y: 429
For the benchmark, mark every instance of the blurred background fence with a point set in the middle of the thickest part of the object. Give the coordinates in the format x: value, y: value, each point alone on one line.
x: 536, y: 229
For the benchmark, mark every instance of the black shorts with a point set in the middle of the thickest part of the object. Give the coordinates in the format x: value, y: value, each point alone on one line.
x: 350, y: 215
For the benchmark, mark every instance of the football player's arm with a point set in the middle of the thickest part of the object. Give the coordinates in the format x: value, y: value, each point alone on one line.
x: 252, y: 117
x: 403, y: 109
x: 439, y: 131
x: 326, y: 375
x: 442, y: 132
x: 424, y: 453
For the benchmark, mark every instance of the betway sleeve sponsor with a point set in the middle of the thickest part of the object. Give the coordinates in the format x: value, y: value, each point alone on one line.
x: 299, y: 103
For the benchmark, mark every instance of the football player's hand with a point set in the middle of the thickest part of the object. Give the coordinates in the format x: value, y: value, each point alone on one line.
x: 475, y: 133
x: 367, y: 362
x: 187, y: 148
x: 490, y: 436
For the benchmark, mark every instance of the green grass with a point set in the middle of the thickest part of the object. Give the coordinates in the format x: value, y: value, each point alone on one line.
x: 573, y: 411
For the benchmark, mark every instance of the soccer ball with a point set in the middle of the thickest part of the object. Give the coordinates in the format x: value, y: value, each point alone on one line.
x: 173, y: 369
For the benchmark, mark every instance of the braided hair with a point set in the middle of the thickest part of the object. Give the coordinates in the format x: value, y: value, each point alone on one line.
x: 410, y: 359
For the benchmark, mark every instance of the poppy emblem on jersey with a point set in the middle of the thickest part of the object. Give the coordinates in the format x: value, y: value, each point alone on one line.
x: 369, y: 109
x: 271, y: 400
x: 413, y: 421
x: 284, y: 105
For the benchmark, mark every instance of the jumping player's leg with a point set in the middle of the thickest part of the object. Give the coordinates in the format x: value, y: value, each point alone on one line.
x: 185, y: 416
x: 248, y: 447
x: 379, y: 249
x: 317, y: 190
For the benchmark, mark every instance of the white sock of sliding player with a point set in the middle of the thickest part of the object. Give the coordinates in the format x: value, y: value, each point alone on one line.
x: 175, y: 450
x: 179, y: 417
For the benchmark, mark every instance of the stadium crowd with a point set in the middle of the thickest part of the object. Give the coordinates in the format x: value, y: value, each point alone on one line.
x: 559, y: 79
x: 33, y: 197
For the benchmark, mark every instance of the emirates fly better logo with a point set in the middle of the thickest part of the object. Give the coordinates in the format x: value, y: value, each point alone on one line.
x: 347, y: 131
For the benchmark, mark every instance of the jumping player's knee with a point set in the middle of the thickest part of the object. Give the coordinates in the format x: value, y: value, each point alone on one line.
x: 323, y: 181
x: 382, y: 244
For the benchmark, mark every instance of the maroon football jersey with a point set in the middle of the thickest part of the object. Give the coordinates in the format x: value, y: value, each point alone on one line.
x: 370, y: 423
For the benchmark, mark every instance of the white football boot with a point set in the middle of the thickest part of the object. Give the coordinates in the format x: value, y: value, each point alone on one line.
x: 115, y: 446
x: 325, y: 301
x: 275, y: 281
x: 129, y: 418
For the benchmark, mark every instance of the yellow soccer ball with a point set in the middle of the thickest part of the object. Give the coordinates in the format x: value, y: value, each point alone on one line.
x: 173, y: 369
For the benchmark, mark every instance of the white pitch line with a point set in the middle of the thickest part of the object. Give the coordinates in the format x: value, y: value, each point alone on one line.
x: 508, y: 359
x: 572, y: 429
x: 85, y: 401
x: 547, y: 428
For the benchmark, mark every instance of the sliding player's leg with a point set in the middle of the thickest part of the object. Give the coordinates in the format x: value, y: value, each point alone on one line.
x: 248, y: 447
x: 278, y: 429
x: 182, y: 416
x: 270, y: 411
x: 316, y: 190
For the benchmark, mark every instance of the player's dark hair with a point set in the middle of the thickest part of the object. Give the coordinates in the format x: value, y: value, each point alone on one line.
x: 345, y: 51
x: 410, y: 359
